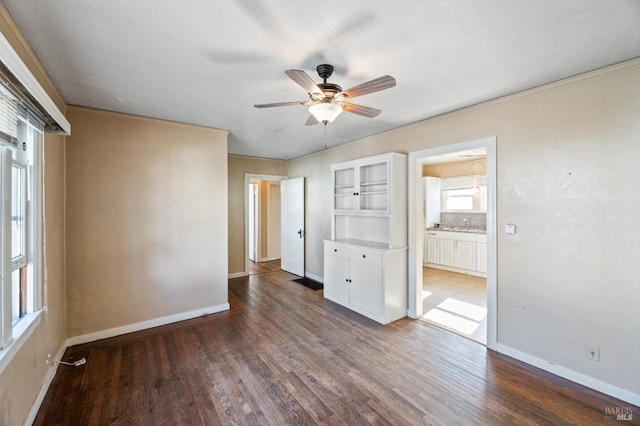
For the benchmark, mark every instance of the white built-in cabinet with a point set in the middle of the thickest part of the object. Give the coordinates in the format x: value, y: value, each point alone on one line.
x: 365, y: 262
x: 368, y: 279
x: 456, y: 251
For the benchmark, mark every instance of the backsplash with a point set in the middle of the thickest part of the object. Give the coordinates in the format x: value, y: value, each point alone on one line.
x: 457, y: 220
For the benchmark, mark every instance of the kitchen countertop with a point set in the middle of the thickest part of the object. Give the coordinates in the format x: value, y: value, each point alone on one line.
x: 454, y: 229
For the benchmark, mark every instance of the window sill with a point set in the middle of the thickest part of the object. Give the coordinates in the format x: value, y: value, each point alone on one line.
x: 21, y: 332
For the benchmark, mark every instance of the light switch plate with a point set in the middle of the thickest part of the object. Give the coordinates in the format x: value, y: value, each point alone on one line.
x: 510, y: 229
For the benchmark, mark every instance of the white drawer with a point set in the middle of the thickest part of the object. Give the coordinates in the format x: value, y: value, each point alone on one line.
x: 339, y: 250
x: 481, y: 238
x: 370, y: 257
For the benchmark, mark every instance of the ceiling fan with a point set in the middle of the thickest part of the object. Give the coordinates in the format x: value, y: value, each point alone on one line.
x: 328, y: 100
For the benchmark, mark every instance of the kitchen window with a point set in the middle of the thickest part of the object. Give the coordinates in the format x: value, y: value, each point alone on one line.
x: 464, y: 194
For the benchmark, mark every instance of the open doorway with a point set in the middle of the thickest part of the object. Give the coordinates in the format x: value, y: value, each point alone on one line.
x: 454, y: 289
x: 262, y: 223
x: 452, y: 249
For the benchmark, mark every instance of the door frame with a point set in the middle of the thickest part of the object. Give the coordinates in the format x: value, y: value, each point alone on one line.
x: 253, y: 222
x: 416, y: 228
x: 247, y: 178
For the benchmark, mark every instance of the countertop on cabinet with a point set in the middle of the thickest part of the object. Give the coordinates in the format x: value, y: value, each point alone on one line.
x: 454, y: 229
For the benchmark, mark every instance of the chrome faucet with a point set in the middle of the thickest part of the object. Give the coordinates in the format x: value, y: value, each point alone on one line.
x: 466, y: 222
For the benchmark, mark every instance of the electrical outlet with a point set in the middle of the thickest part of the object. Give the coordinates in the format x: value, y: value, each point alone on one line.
x: 593, y: 353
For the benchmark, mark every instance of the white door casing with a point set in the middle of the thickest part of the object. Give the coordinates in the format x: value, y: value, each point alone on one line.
x: 247, y: 178
x: 416, y: 228
x: 293, y: 232
x: 253, y: 223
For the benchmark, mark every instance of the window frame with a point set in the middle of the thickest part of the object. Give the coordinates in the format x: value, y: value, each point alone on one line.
x: 477, y: 193
x: 15, y: 331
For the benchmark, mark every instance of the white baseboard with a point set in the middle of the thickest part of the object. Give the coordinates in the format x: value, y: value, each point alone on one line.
x: 35, y: 407
x: 238, y: 275
x: 574, y: 376
x: 130, y: 328
x: 314, y: 277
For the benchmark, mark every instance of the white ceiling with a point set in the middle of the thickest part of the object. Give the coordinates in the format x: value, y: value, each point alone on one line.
x: 208, y: 62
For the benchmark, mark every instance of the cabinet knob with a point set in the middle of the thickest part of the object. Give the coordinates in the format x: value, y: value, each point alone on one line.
x: 335, y: 250
x: 364, y: 256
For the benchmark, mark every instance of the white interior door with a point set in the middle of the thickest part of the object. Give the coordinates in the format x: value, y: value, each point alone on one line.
x: 292, y: 215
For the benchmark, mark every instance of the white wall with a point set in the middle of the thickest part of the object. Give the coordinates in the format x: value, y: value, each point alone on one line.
x: 568, y: 157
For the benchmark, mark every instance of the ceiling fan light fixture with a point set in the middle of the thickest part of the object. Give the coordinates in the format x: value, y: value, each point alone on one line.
x: 325, y: 112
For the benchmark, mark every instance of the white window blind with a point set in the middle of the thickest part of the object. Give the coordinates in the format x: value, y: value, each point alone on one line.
x: 8, y: 122
x: 459, y: 182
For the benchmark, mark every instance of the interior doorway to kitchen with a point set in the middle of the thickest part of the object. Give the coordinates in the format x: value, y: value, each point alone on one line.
x: 454, y: 289
x: 452, y: 262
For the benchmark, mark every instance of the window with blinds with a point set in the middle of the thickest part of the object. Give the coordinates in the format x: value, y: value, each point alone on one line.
x: 8, y: 121
x: 21, y: 172
x: 464, y: 194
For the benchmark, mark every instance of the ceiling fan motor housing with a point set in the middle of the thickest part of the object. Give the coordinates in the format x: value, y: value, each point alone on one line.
x: 324, y: 71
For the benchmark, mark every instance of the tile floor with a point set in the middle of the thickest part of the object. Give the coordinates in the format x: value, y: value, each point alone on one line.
x: 456, y: 302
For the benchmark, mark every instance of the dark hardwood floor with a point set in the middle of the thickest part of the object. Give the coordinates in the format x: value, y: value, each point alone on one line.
x: 283, y: 355
x: 264, y: 267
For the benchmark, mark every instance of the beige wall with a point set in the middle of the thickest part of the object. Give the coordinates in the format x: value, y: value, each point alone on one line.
x: 238, y: 167
x: 22, y: 379
x: 146, y: 215
x: 567, y: 159
x: 459, y: 168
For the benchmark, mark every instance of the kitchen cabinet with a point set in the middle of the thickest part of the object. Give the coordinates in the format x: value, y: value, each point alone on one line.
x: 466, y: 254
x: 481, y: 253
x: 447, y: 251
x: 431, y: 252
x: 456, y: 251
x: 370, y: 280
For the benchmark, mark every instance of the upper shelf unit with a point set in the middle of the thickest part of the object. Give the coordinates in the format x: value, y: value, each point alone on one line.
x: 369, y: 199
x: 364, y: 186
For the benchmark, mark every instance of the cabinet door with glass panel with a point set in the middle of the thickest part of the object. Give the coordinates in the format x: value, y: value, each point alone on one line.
x: 344, y: 189
x: 373, y: 192
x: 362, y: 187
